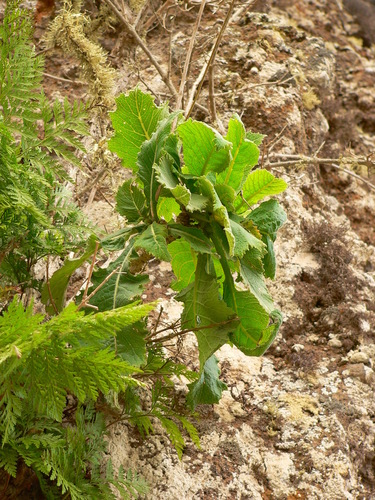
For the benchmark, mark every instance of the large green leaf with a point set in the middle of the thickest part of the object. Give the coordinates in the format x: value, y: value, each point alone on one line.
x: 131, y: 202
x: 134, y: 122
x: 219, y: 212
x: 253, y: 336
x: 153, y: 240
x: 268, y: 217
x: 130, y: 344
x: 197, y: 203
x: 258, y: 185
x: 149, y: 156
x: 227, y: 195
x: 204, y: 307
x: 253, y: 278
x: 184, y: 261
x: 269, y: 260
x: 167, y: 208
x: 267, y: 337
x: 245, y: 155
x: 169, y: 180
x: 120, y: 290
x: 118, y: 239
x: 204, y: 149
x: 208, y: 389
x: 192, y: 235
x: 57, y: 285
x: 244, y: 239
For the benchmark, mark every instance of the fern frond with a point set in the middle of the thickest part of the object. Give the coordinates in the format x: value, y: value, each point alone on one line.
x: 9, y: 459
x: 37, y: 141
x: 64, y: 354
x: 174, y: 434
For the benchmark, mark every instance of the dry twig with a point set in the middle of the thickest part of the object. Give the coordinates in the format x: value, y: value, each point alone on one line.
x: 241, y: 11
x: 203, y: 73
x: 86, y: 302
x: 211, y: 99
x: 140, y: 15
x: 65, y: 80
x: 99, y: 177
x: 156, y: 16
x: 295, y: 160
x: 186, y: 330
x: 188, y: 56
x: 144, y: 47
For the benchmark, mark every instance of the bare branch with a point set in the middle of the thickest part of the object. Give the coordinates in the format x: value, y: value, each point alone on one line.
x: 333, y: 162
x: 188, y: 56
x: 99, y: 177
x: 211, y: 60
x: 140, y: 15
x: 144, y: 47
x: 211, y: 99
x: 276, y: 139
x: 188, y: 330
x: 65, y: 80
x: 241, y: 11
x: 202, y: 74
x: 155, y: 17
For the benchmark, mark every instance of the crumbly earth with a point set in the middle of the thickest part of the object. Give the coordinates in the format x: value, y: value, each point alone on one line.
x: 298, y: 423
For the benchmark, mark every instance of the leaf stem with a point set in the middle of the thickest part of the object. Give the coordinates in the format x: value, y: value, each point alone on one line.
x: 84, y: 303
x: 97, y: 244
x: 188, y: 330
x: 49, y: 288
x: 216, y: 238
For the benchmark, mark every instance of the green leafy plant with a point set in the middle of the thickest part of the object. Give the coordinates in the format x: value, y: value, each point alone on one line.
x: 42, y: 363
x: 37, y: 142
x: 196, y: 202
x: 53, y: 372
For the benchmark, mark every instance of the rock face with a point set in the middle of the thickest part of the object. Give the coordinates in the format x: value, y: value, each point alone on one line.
x: 299, y: 422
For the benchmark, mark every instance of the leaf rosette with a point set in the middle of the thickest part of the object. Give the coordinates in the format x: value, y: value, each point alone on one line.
x: 198, y: 201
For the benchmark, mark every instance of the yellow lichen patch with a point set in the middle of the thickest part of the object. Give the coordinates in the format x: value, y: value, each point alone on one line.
x: 136, y: 5
x: 357, y: 42
x: 301, y: 407
x: 310, y: 100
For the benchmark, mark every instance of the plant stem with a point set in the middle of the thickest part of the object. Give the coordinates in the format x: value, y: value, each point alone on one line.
x: 189, y: 330
x: 85, y: 303
x: 97, y: 244
x: 216, y: 238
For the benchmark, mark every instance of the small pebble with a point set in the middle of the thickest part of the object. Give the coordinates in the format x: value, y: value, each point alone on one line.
x: 298, y: 347
x: 335, y: 343
x: 359, y: 357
